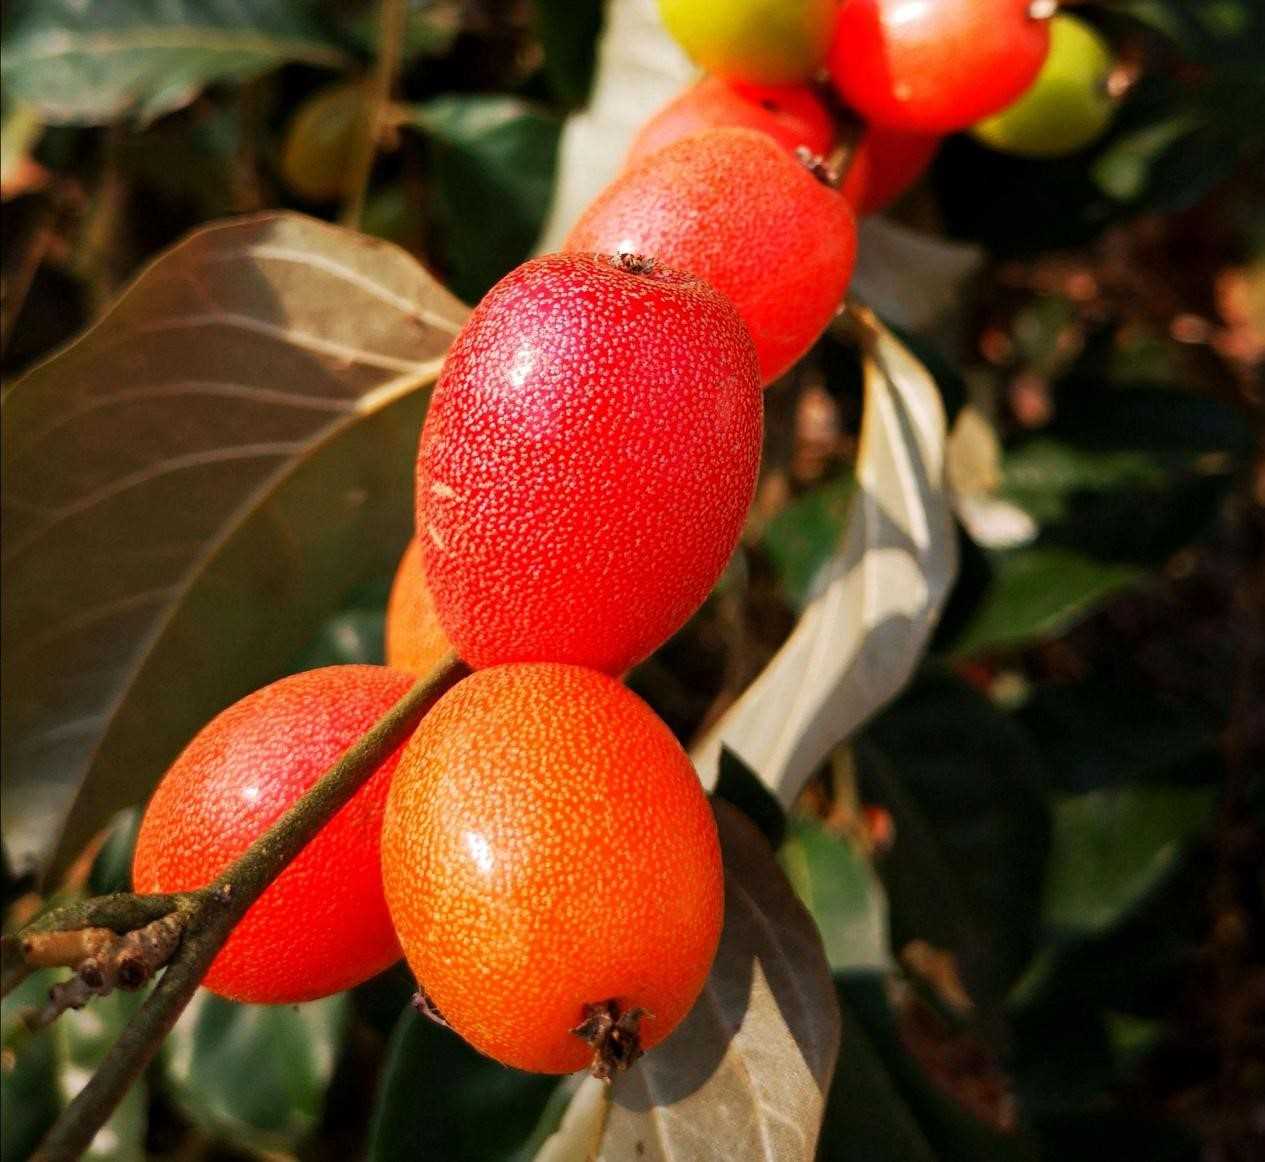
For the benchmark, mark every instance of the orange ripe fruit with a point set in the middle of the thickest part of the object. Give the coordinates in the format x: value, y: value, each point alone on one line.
x: 791, y: 114
x: 415, y: 641
x: 551, y: 862
x: 732, y: 207
x: 322, y: 925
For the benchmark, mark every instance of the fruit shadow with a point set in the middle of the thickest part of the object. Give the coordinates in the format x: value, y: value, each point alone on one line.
x: 769, y: 1000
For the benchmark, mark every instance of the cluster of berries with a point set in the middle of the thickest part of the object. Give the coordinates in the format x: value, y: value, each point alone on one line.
x: 541, y: 849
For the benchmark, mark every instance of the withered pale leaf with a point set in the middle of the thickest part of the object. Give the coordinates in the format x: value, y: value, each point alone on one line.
x: 188, y: 488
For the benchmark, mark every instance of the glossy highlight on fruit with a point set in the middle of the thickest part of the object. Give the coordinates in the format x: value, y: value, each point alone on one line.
x: 1068, y: 105
x: 791, y: 114
x: 415, y: 641
x: 732, y: 207
x: 322, y: 925
x: 547, y: 846
x: 319, y: 142
x: 936, y: 66
x: 887, y: 162
x: 587, y: 461
x: 767, y: 42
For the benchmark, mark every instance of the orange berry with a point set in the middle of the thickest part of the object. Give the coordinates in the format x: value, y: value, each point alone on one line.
x: 548, y: 847
x: 322, y: 925
x: 415, y: 640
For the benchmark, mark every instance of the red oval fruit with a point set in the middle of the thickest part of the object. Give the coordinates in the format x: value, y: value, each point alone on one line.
x: 587, y: 462
x: 791, y: 114
x: 415, y: 641
x: 547, y: 847
x: 730, y: 206
x: 322, y: 926
x: 886, y: 163
x: 936, y: 67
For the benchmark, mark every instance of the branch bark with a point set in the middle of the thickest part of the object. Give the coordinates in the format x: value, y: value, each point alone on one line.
x: 211, y: 913
x: 392, y: 22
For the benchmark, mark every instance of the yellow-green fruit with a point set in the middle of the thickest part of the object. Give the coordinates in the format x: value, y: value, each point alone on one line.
x: 320, y: 141
x: 1068, y: 105
x: 764, y: 42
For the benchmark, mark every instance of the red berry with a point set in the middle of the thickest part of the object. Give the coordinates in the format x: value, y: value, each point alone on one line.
x: 790, y: 114
x: 547, y: 846
x: 936, y: 67
x: 886, y: 163
x: 732, y: 207
x: 587, y: 462
x: 322, y: 925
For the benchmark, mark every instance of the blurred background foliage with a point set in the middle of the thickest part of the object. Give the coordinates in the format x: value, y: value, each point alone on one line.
x: 1038, y: 873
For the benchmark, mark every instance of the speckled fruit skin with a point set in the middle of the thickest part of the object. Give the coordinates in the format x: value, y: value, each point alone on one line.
x: 936, y: 67
x: 322, y: 926
x: 887, y: 162
x: 1067, y: 107
x: 766, y: 42
x: 791, y: 114
x: 547, y: 845
x: 415, y: 641
x: 587, y: 462
x: 732, y: 207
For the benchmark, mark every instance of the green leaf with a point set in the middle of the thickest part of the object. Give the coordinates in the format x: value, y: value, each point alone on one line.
x: 1039, y: 592
x: 639, y: 68
x: 254, y: 1074
x: 746, y: 1073
x: 436, y: 1093
x: 189, y: 490
x: 804, y: 535
x: 352, y: 637
x: 838, y: 886
x: 963, y: 783
x: 494, y: 163
x: 1125, y: 170
x: 1112, y: 848
x: 83, y: 1037
x: 1102, y: 732
x: 875, y: 602
x: 953, y: 1134
x: 112, y: 869
x: 867, y: 1117
x: 568, y: 32
x: 740, y: 787
x: 1123, y: 479
x: 28, y: 1077
x: 89, y: 64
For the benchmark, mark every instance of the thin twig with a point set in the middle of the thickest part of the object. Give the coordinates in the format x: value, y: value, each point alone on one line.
x: 215, y: 909
x: 392, y: 21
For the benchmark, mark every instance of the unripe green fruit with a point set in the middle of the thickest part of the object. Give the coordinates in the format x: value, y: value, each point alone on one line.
x: 765, y: 42
x: 1068, y: 105
x: 320, y: 139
